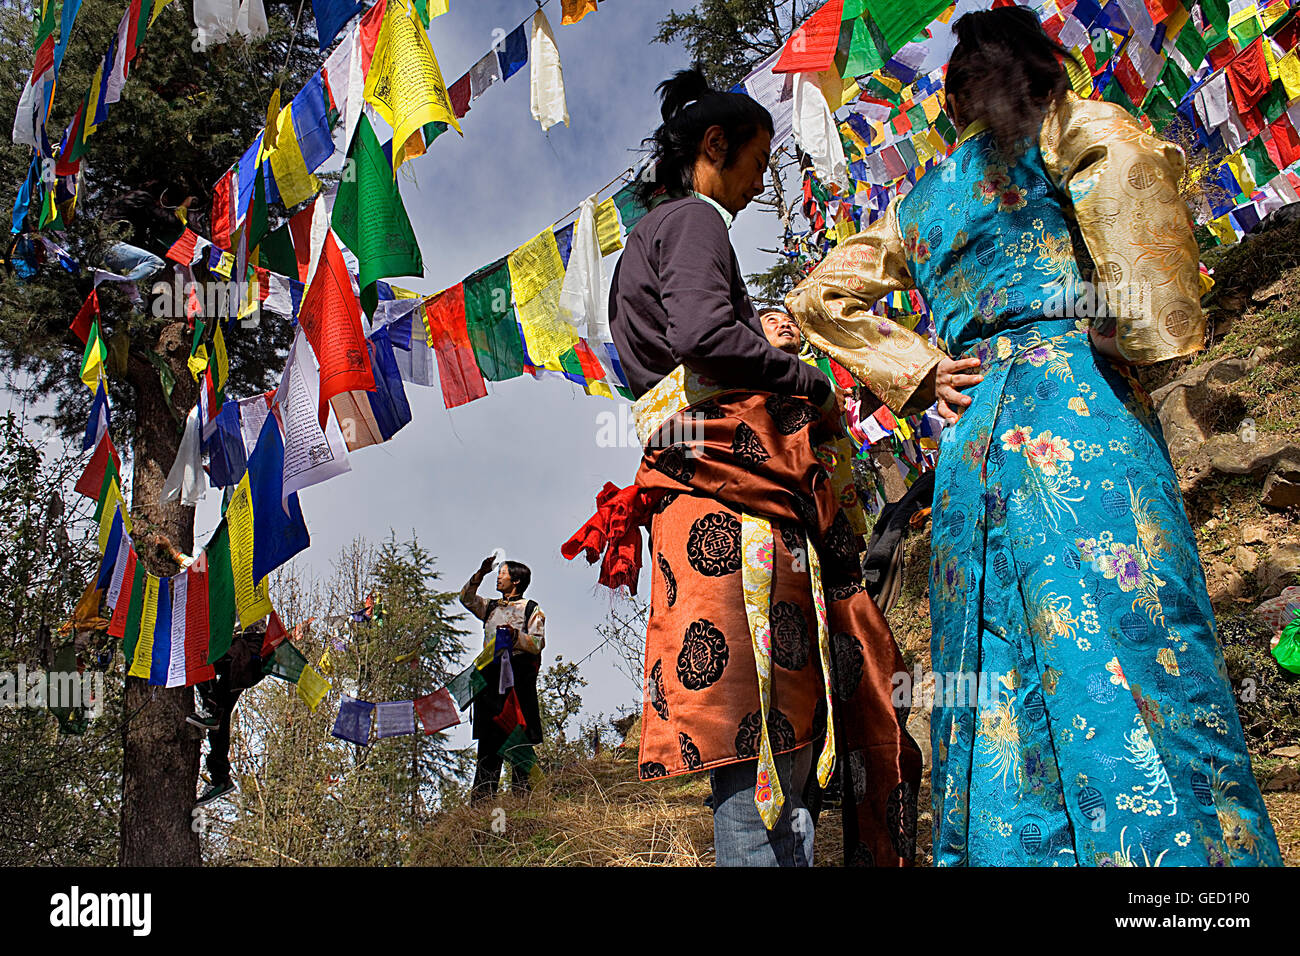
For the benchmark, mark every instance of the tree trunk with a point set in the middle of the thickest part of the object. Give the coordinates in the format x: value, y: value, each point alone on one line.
x: 160, y: 750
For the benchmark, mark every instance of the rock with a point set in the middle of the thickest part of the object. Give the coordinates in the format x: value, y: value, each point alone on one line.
x: 1282, y: 487
x: 1185, y: 401
x: 1225, y: 583
x: 1281, y: 565
x: 1285, y: 778
x: 1245, y: 560
x: 1228, y: 455
x: 1285, y: 752
x: 1254, y: 534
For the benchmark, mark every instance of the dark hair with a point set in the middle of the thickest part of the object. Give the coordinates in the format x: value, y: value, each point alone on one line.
x: 689, y: 107
x: 1006, y: 71
x: 520, y: 576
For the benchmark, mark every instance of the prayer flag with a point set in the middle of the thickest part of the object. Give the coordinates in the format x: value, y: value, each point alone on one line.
x: 312, y: 687
x: 575, y: 10
x: 449, y: 338
x: 295, y: 183
x: 221, y: 593
x: 811, y: 48
x: 92, y: 361
x: 394, y: 718
x: 86, y: 317
x: 518, y: 750
x: 160, y: 649
x: 370, y: 219
x: 353, y: 721
x: 403, y: 81
x: 513, y: 51
x: 287, y: 663
x: 108, y: 561
x: 145, y: 584
x: 312, y: 454
x: 279, y: 531
x: 132, y: 582
x: 331, y: 17
x: 464, y: 687
x: 437, y: 711
x: 536, y: 276
x: 275, y: 635
x: 548, y: 101
x: 251, y: 598
x: 119, y: 576
x: 331, y: 320
x: 490, y: 319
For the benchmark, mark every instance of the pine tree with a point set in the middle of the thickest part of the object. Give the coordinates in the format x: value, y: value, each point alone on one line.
x: 185, y: 116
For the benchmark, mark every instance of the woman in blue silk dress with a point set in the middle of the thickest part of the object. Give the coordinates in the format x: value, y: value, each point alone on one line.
x: 1065, y: 580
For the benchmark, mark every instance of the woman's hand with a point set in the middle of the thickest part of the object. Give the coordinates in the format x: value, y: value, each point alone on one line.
x: 951, y: 376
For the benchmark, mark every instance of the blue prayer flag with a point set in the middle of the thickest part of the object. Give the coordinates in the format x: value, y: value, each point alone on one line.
x: 278, y: 529
x: 353, y: 721
x: 160, y: 661
x: 513, y: 52
x: 311, y: 123
x: 225, y: 448
x: 331, y: 17
x: 109, y: 561
x: 388, y: 398
x: 98, y: 422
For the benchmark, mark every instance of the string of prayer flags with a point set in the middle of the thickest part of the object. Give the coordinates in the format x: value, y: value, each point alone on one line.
x: 548, y: 101
x: 403, y: 81
x: 382, y: 238
x: 394, y: 719
x: 448, y: 336
x: 353, y: 721
x: 331, y: 319
x: 437, y: 711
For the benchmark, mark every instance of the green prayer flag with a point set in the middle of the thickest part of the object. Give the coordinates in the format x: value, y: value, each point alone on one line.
x: 1246, y: 31
x: 518, y: 750
x: 221, y: 594
x: 900, y: 21
x: 1114, y: 93
x: 490, y: 320
x: 432, y: 131
x: 1158, y: 108
x: 1191, y: 45
x: 134, y: 612
x: 1173, y: 81
x: 275, y: 252
x: 630, y: 209
x: 463, y: 687
x: 1215, y: 14
x: 1273, y: 103
x: 853, y: 9
x: 1259, y: 162
x: 382, y: 239
x: 256, y: 223
x: 422, y: 8
x: 110, y: 475
x: 287, y: 663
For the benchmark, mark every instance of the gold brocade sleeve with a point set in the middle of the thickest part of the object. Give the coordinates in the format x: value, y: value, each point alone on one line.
x: 1123, y: 184
x: 831, y: 308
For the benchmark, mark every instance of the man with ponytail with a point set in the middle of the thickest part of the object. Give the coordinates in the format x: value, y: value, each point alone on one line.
x: 1055, y: 253
x: 766, y: 663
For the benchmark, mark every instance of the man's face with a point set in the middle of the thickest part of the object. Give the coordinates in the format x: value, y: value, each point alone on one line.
x: 781, y: 330
x: 504, y: 584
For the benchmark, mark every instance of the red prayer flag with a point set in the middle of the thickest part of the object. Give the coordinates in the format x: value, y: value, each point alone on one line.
x: 1222, y: 54
x: 1285, y: 141
x: 300, y: 233
x: 1127, y: 75
x: 132, y: 29
x: 458, y: 371
x: 182, y: 249
x: 222, y: 213
x: 44, y: 59
x: 511, y: 715
x: 1248, y: 75
x: 369, y: 32
x: 91, y: 482
x: 117, y: 624
x: 331, y: 319
x: 275, y: 635
x: 437, y: 711
x: 812, y: 47
x: 842, y: 376
x: 885, y: 418
x: 458, y: 93
x: 85, y: 316
x: 1162, y: 10
x: 197, y: 668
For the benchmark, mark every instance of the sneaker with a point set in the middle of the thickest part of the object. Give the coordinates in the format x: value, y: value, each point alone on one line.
x: 214, y: 791
x: 203, y: 720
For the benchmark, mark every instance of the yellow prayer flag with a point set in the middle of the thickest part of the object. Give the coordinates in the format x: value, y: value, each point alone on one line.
x: 142, y: 660
x: 1288, y: 71
x: 1241, y: 172
x: 89, y: 125
x: 485, y: 656
x: 198, y: 361
x: 947, y: 14
x: 598, y: 388
x: 1222, y: 229
x: 221, y: 373
x: 404, y: 83
x: 113, y: 502
x: 271, y: 131
x: 607, y: 227
x: 157, y: 9
x: 575, y: 10
x: 1270, y: 14
x: 921, y: 143
x: 312, y: 687
x: 536, y: 275
x: 225, y: 265
x: 251, y: 598
x: 92, y: 363
x: 1175, y: 22
x: 326, y: 663
x: 436, y: 8
x: 296, y: 184
x: 1270, y: 60
x: 845, y: 228
x: 932, y: 107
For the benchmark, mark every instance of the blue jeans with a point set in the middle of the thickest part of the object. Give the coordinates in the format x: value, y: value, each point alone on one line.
x: 131, y: 261
x: 739, y: 836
